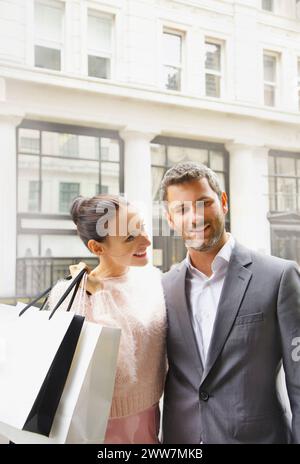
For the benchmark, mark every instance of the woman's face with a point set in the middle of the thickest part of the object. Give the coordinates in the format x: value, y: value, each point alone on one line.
x: 127, y: 242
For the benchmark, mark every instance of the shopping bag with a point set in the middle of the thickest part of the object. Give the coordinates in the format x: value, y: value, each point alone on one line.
x: 36, y: 352
x: 84, y: 407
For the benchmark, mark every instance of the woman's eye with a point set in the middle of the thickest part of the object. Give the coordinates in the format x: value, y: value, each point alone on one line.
x: 130, y: 238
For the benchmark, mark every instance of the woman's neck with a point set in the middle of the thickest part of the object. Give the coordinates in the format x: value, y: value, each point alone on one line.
x: 108, y: 268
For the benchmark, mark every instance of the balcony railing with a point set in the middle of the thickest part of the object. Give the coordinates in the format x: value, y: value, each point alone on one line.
x: 36, y: 274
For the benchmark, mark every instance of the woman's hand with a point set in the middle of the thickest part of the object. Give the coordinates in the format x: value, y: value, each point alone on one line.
x: 76, y: 268
x: 93, y: 283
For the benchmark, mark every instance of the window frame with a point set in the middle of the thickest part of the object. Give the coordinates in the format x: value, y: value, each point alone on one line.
x: 42, y: 126
x: 60, y: 4
x: 221, y: 73
x: 103, y: 53
x: 274, y: 84
x: 296, y: 157
x: 181, y: 67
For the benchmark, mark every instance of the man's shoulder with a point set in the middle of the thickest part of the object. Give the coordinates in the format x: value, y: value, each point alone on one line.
x: 268, y: 263
x: 173, y: 271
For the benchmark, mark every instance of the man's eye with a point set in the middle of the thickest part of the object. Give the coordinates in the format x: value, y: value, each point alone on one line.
x: 130, y: 238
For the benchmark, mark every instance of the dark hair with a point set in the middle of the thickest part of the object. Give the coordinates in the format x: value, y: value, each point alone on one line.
x: 186, y: 172
x: 88, y: 212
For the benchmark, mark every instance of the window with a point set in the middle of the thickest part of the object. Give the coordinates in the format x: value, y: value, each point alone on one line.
x: 33, y: 196
x: 298, y: 80
x: 165, y: 152
x: 270, y: 78
x: 284, y: 183
x: 48, y: 158
x: 213, y: 69
x: 100, y: 28
x: 48, y: 40
x: 267, y: 5
x: 103, y: 189
x: 67, y: 192
x: 285, y: 243
x: 172, y: 60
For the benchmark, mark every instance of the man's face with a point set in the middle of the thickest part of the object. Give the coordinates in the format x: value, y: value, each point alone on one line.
x: 197, y: 213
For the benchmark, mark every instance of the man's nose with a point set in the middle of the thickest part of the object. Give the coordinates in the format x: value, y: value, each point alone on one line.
x: 196, y: 216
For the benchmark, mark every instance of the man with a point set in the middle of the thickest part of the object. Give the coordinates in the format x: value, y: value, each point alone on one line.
x: 233, y: 318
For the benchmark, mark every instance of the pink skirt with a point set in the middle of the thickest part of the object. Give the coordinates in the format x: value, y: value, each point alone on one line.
x: 141, y: 428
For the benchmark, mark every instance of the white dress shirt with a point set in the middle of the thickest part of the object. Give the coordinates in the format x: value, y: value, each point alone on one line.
x: 203, y: 294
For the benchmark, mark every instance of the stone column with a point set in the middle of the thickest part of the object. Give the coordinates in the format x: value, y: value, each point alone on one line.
x: 249, y: 200
x: 8, y: 204
x: 137, y: 167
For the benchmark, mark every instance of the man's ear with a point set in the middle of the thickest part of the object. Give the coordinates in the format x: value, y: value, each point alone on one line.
x: 169, y: 219
x: 224, y: 202
x: 95, y: 247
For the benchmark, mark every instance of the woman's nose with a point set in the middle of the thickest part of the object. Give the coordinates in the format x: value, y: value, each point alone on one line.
x: 145, y: 239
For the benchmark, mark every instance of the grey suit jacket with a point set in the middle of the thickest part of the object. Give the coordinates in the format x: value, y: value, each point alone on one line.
x: 233, y: 398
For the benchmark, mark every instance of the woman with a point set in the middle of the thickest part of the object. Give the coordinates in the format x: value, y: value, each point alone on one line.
x: 123, y: 291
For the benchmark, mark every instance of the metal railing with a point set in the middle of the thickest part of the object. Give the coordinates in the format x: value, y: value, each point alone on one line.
x: 33, y: 275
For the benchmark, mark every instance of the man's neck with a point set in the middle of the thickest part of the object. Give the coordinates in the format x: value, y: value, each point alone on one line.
x: 202, y: 260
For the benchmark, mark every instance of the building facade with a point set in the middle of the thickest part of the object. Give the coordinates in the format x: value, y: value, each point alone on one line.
x: 104, y: 96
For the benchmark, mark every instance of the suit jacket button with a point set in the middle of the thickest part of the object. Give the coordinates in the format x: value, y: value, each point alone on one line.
x: 203, y: 395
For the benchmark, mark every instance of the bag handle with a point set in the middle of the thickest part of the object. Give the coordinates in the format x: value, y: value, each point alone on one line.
x: 75, y: 283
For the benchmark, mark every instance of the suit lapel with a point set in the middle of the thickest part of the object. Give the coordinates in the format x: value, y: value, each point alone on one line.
x: 234, y: 288
x: 179, y: 303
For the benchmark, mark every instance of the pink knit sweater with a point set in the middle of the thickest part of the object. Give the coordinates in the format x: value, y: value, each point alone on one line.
x: 135, y: 303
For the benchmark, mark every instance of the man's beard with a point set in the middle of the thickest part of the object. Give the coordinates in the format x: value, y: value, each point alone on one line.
x: 202, y: 245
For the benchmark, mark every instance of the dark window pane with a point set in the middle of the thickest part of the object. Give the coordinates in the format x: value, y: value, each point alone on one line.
x: 48, y: 58
x: 158, y: 154
x: 110, y: 177
x: 267, y: 5
x: 182, y: 154
x: 59, y: 170
x: 286, y: 194
x: 67, y: 192
x: 172, y: 78
x: 213, y: 56
x: 270, y: 64
x: 70, y: 145
x: 286, y: 166
x: 98, y: 67
x: 269, y: 95
x: 110, y: 150
x: 29, y: 141
x: 28, y: 172
x: 33, y: 200
x: 216, y: 160
x: 213, y: 85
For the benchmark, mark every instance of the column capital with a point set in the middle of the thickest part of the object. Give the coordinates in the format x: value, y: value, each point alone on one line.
x: 10, y: 115
x: 135, y: 132
x: 244, y: 146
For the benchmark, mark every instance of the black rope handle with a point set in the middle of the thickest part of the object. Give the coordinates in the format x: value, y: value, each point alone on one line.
x: 64, y: 296
x: 75, y: 283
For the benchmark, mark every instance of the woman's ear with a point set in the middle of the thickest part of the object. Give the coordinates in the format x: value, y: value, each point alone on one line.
x: 95, y: 247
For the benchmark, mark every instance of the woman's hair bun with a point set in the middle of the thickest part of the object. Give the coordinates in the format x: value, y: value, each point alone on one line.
x: 75, y: 208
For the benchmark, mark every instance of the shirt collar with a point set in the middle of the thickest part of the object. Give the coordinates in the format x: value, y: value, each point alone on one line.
x: 223, y: 256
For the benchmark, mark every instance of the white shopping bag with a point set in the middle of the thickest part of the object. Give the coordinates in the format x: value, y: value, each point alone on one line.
x: 32, y: 349
x: 83, y: 411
